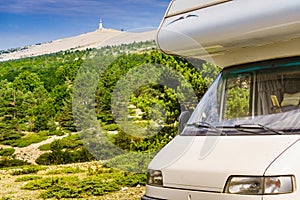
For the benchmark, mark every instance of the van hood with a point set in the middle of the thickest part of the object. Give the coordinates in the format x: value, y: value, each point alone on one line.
x: 183, y: 165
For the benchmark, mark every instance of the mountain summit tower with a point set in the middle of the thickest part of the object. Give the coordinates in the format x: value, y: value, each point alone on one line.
x: 100, y: 25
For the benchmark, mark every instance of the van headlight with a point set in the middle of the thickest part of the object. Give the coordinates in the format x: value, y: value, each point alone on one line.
x: 154, y: 178
x: 260, y: 185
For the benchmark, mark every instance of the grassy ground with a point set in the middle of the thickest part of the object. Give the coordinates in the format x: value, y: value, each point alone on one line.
x: 81, y: 180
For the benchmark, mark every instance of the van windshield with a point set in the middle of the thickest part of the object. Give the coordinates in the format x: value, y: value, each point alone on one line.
x: 264, y: 95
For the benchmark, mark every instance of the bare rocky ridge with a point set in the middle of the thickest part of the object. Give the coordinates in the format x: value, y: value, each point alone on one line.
x: 95, y: 39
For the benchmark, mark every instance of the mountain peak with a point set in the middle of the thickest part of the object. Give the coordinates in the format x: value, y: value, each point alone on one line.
x: 96, y: 39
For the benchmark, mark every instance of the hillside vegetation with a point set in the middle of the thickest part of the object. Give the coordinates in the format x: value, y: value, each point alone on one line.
x: 49, y: 97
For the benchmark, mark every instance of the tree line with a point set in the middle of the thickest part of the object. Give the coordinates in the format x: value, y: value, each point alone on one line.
x: 36, y: 94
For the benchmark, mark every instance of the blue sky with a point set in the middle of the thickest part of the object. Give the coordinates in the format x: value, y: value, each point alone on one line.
x: 26, y: 22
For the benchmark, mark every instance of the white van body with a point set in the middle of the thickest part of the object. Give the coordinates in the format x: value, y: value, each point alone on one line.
x: 228, y: 30
x: 243, y: 139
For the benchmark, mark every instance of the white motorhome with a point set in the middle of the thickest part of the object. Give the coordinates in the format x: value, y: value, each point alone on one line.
x: 243, y: 139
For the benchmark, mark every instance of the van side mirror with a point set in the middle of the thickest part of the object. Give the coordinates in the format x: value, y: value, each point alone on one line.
x: 183, y: 119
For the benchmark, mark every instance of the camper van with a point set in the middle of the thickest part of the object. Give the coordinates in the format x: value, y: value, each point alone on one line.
x: 242, y: 141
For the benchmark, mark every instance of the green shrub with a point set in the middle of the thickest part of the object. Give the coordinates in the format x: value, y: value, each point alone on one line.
x: 103, y: 182
x: 66, y: 170
x: 44, y: 133
x: 100, y: 185
x: 44, y: 159
x: 7, y: 152
x: 61, y: 191
x: 45, y: 183
x: 132, y: 112
x: 30, y: 139
x: 59, y: 156
x: 142, y: 124
x: 102, y: 149
x: 131, y: 162
x: 100, y: 170
x: 132, y: 179
x: 45, y: 147
x: 71, y: 142
x: 9, y: 130
x: 111, y: 127
x: 26, y: 170
x: 105, y: 117
x: 9, y: 138
x: 91, y: 186
x: 9, y: 162
x: 51, y: 133
x: 27, y: 178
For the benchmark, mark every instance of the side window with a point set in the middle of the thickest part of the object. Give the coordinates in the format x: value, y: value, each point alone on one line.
x: 237, y: 99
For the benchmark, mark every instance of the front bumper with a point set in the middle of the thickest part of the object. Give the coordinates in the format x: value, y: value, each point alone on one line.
x: 150, y: 198
x: 160, y: 193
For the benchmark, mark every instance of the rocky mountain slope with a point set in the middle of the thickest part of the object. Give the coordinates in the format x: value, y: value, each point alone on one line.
x: 95, y: 39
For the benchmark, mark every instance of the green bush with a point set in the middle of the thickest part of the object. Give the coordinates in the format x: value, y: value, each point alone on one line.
x: 111, y: 127
x: 142, y: 124
x: 49, y: 182
x: 51, y: 133
x: 10, y: 138
x: 66, y: 170
x: 26, y: 170
x: 59, y: 156
x: 7, y: 152
x: 44, y: 159
x: 132, y: 112
x: 60, y: 191
x: 27, y: 178
x: 71, y: 142
x: 100, y: 170
x: 100, y: 185
x: 132, y: 162
x: 10, y: 162
x: 132, y: 179
x: 45, y: 147
x: 102, y: 181
x: 9, y: 129
x: 30, y: 139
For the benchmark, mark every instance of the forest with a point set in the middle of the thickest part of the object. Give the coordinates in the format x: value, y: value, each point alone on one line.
x: 117, y: 103
x: 37, y: 92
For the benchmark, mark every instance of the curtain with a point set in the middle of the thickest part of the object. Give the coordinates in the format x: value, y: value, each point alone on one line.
x: 269, y: 84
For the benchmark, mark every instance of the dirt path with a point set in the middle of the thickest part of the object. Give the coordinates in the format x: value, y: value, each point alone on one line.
x: 32, y: 152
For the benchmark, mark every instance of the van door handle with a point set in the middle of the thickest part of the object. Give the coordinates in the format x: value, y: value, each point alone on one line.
x: 182, y: 18
x: 178, y: 19
x: 192, y: 15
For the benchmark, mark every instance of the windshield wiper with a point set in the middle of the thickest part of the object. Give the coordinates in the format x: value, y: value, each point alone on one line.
x: 207, y: 125
x: 240, y: 127
x: 254, y: 126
